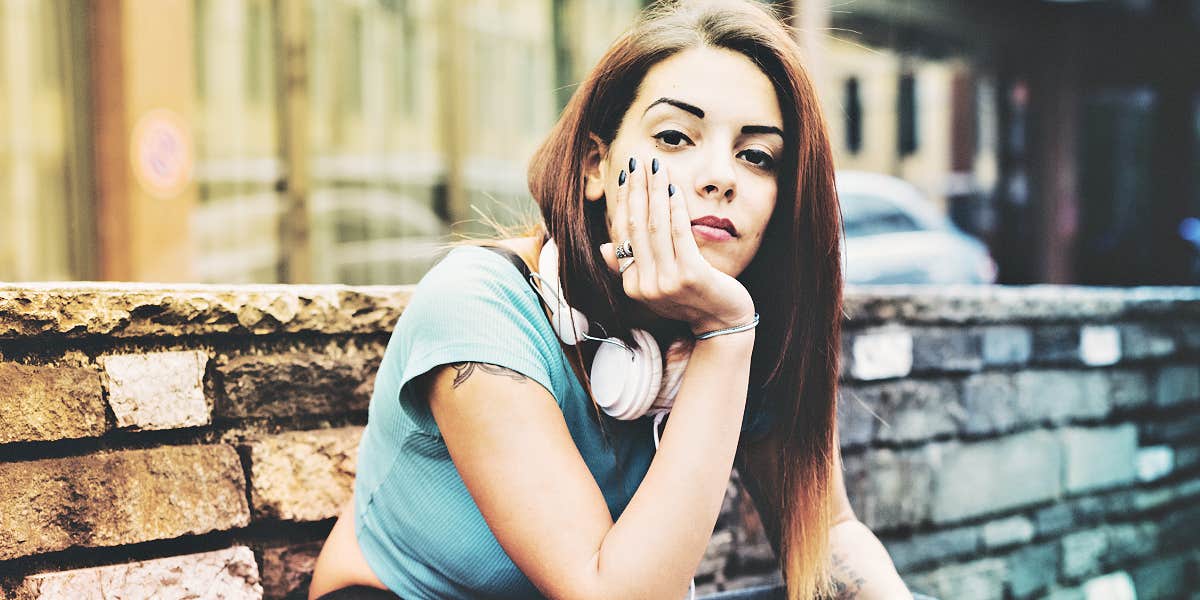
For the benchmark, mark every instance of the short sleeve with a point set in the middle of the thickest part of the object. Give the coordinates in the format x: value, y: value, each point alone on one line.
x: 473, y: 306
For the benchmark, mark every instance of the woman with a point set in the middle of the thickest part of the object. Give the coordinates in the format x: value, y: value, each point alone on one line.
x: 506, y: 453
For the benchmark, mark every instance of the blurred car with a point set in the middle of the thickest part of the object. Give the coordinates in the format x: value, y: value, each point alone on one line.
x: 894, y: 235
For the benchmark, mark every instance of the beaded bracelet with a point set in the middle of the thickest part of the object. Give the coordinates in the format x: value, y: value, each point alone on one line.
x: 735, y: 329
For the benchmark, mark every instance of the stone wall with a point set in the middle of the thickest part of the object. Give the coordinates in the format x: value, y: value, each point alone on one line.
x: 199, y: 441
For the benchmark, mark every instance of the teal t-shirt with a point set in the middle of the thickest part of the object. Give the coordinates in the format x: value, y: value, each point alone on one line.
x: 417, y: 524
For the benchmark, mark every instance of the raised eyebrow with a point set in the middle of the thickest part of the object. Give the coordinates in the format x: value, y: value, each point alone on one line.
x: 680, y: 104
x: 752, y: 129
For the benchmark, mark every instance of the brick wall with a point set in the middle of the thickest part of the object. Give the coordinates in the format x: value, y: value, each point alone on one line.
x: 197, y: 442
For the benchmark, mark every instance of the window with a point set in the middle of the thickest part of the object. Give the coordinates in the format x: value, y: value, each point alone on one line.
x: 864, y: 215
x: 853, y: 116
x: 907, y: 115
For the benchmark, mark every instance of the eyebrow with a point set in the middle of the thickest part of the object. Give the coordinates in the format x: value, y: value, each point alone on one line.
x: 696, y: 110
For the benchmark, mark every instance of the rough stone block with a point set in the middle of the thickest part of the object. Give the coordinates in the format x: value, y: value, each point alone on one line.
x: 1006, y: 345
x: 231, y: 573
x: 1177, y: 429
x: 881, y: 353
x: 287, y: 570
x: 887, y: 488
x: 857, y: 419
x: 1032, y: 568
x: 1129, y: 542
x: 1114, y: 586
x: 904, y: 410
x: 1054, y: 519
x: 334, y: 380
x: 1146, y: 340
x: 1082, y: 552
x: 1154, y: 462
x: 1099, y: 345
x: 1098, y: 457
x: 1006, y: 532
x: 978, y: 580
x: 1177, y: 384
x: 303, y: 475
x: 985, y: 477
x: 936, y: 547
x: 1130, y: 390
x: 49, y: 402
x: 946, y: 349
x: 157, y: 390
x: 990, y: 404
x: 1058, y: 396
x: 118, y: 498
x: 1056, y: 344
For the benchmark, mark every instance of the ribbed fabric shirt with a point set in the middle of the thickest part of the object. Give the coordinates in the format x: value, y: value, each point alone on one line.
x: 418, y: 526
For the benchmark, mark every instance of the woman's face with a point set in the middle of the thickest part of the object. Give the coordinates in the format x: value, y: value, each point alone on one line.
x: 711, y: 118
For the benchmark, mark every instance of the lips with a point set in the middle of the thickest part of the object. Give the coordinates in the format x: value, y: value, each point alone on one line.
x: 717, y: 222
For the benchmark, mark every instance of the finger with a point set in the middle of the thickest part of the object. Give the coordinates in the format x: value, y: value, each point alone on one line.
x: 638, y: 220
x: 620, y: 226
x: 658, y: 227
x: 687, y: 253
x: 609, y: 254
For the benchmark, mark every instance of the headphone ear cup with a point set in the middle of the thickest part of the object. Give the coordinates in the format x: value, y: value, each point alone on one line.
x: 626, y: 382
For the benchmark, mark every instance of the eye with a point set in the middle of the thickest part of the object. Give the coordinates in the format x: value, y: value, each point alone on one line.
x: 672, y: 138
x: 758, y: 158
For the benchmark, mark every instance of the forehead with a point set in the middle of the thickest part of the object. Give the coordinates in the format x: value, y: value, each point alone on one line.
x: 723, y: 83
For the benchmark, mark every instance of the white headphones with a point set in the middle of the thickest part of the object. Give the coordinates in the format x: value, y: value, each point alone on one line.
x: 628, y: 383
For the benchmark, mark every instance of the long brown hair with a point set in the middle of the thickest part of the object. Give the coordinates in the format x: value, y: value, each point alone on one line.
x: 795, y: 278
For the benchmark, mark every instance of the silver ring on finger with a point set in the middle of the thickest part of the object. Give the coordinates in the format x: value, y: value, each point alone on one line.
x: 626, y: 265
x: 625, y: 250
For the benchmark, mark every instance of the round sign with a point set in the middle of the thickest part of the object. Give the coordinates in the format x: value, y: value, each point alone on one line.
x: 161, y: 153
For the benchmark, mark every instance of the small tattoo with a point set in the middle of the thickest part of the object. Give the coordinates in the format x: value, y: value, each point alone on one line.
x: 847, y: 583
x: 464, y: 370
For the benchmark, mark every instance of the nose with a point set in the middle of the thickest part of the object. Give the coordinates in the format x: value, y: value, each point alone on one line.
x: 717, y: 180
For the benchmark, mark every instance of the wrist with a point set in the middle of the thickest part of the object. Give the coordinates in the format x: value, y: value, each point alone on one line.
x: 709, y: 329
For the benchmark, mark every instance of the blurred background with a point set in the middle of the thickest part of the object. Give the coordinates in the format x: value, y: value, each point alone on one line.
x: 341, y: 141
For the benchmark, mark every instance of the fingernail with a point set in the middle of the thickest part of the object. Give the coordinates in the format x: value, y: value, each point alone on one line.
x: 621, y: 178
x: 670, y: 190
x: 632, y: 165
x: 654, y: 166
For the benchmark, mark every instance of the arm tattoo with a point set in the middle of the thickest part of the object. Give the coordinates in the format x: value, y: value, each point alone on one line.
x: 464, y: 370
x: 847, y: 583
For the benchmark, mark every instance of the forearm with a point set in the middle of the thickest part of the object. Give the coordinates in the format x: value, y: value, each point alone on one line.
x: 862, y: 568
x: 662, y: 534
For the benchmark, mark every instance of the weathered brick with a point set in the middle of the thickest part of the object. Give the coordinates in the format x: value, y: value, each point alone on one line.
x: 1056, y: 344
x: 1006, y: 532
x: 985, y: 477
x: 1058, y: 396
x: 49, y: 402
x: 888, y: 488
x: 1188, y: 335
x: 857, y: 419
x: 1170, y: 429
x: 1098, y: 457
x: 125, y: 497
x: 1162, y: 578
x: 1082, y: 552
x: 1054, y: 519
x: 979, y: 580
x: 157, y: 390
x: 231, y: 573
x: 335, y: 380
x: 1146, y: 340
x: 1006, y: 345
x: 1130, y: 541
x: 881, y: 353
x: 907, y: 409
x: 990, y: 404
x: 303, y: 475
x: 1154, y: 462
x: 1177, y: 384
x: 946, y: 349
x: 1114, y: 586
x: 1130, y: 389
x: 934, y: 547
x: 1032, y: 568
x: 1099, y: 345
x: 287, y: 570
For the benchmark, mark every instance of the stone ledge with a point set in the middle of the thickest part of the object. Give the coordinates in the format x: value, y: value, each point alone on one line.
x: 230, y: 574
x: 124, y: 310
x: 117, y: 498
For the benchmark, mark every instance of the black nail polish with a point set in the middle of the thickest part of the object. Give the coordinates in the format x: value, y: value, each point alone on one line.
x: 654, y: 166
x: 621, y: 178
x: 670, y: 190
x: 632, y: 165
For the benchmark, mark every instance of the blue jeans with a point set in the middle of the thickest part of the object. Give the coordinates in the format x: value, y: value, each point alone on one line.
x: 767, y: 592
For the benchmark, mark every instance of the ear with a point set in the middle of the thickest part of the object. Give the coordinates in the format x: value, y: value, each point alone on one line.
x: 595, y: 161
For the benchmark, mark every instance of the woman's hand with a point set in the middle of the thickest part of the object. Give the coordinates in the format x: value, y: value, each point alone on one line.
x: 669, y: 275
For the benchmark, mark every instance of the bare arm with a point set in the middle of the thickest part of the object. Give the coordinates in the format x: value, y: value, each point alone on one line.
x: 861, y: 567
x: 511, y: 446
